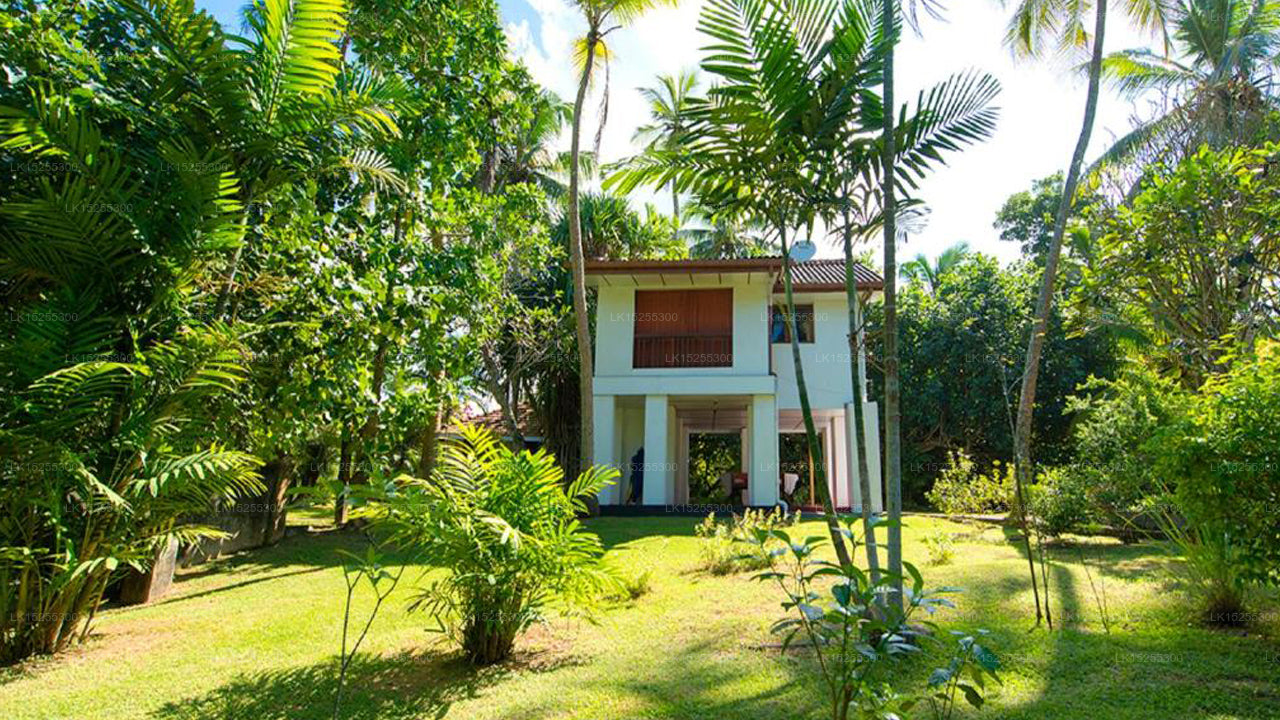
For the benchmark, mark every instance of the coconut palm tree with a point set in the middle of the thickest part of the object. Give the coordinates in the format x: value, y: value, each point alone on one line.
x: 922, y: 270
x: 1219, y: 79
x: 724, y: 236
x: 532, y: 158
x: 670, y: 106
x: 1039, y: 28
x: 603, y: 17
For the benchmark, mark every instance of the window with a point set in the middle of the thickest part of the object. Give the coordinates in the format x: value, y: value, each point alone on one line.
x: 683, y: 328
x: 778, y: 324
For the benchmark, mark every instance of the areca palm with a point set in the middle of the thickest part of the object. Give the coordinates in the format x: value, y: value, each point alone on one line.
x: 1037, y: 28
x: 797, y: 88
x: 603, y: 17
x: 1219, y: 79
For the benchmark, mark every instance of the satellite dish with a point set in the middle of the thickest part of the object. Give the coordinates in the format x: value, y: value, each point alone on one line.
x: 803, y: 250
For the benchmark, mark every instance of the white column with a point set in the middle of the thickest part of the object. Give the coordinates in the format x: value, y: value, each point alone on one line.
x: 871, y: 415
x: 604, y: 450
x: 872, y: 420
x: 763, y: 478
x: 840, y: 461
x: 744, y: 447
x: 682, y: 465
x: 657, y: 421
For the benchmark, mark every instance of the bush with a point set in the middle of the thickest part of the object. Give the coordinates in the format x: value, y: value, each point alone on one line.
x: 961, y: 489
x: 1118, y: 445
x: 721, y: 550
x: 505, y: 527
x: 1227, y: 454
x: 1058, y: 501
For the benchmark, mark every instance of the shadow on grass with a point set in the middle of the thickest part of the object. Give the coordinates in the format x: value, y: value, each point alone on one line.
x: 390, y: 687
x: 695, y: 683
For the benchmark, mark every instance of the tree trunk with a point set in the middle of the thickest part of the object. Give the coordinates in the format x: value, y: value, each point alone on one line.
x: 859, y: 419
x: 810, y: 432
x: 892, y: 411
x: 344, y: 477
x: 429, y: 440
x: 1035, y: 344
x: 675, y: 208
x: 578, y: 263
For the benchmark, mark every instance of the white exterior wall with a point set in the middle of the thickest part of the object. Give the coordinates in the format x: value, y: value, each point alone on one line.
x: 760, y: 371
x: 826, y: 359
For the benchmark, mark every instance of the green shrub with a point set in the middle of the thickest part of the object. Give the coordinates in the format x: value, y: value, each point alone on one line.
x: 720, y: 548
x: 1058, y: 501
x: 961, y: 489
x: 940, y: 546
x: 1118, y: 445
x: 1227, y: 456
x: 831, y: 608
x: 506, y: 529
x: 633, y: 587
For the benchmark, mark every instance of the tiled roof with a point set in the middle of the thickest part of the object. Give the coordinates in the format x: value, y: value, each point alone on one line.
x: 494, y: 422
x: 828, y: 274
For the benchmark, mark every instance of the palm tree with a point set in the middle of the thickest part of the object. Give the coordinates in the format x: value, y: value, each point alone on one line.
x: 670, y: 105
x: 920, y: 269
x: 725, y: 236
x: 591, y: 50
x: 797, y: 88
x: 531, y: 157
x: 1037, y: 28
x: 1219, y: 77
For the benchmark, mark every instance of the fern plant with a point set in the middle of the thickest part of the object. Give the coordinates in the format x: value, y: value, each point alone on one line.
x: 505, y: 527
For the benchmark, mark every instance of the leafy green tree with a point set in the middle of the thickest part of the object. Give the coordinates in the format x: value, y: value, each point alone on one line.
x: 960, y: 379
x: 1195, y: 260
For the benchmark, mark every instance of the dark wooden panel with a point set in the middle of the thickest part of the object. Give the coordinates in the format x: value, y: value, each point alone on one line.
x: 683, y: 328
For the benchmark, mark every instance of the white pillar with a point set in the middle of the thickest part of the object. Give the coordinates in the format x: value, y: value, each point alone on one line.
x: 840, y: 461
x: 744, y: 447
x: 682, y: 463
x: 763, y: 478
x: 871, y: 414
x: 604, y: 450
x: 872, y: 421
x: 657, y: 421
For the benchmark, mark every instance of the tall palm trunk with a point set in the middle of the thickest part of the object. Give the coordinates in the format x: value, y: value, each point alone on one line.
x: 810, y: 431
x: 892, y: 411
x: 578, y: 263
x: 1035, y: 345
x: 859, y: 419
x: 675, y: 208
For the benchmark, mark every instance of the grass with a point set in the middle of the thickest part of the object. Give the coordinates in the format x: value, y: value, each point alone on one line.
x: 255, y: 637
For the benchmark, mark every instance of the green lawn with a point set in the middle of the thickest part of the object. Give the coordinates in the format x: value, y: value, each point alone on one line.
x: 254, y: 637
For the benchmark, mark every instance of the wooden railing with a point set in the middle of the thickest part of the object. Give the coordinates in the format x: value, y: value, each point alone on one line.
x: 683, y: 351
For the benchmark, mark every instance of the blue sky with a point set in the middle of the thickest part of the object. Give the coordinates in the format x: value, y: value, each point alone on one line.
x: 1041, y: 104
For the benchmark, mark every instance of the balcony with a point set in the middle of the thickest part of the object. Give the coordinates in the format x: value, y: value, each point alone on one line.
x: 689, y: 350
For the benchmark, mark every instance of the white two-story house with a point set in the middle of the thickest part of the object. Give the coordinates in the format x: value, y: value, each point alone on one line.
x: 700, y: 346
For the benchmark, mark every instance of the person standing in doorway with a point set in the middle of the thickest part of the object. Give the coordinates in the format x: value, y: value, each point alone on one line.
x: 637, y: 476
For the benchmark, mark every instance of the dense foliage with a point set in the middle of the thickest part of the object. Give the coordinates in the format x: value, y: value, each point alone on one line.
x: 960, y: 378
